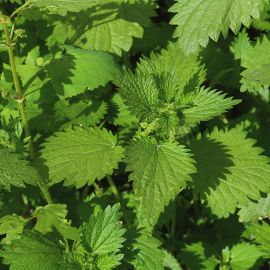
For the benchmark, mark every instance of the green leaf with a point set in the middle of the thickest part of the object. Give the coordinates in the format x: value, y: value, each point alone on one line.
x: 80, y: 69
x: 260, y: 234
x: 148, y: 254
x: 263, y: 24
x: 63, y: 6
x: 103, y: 234
x: 12, y: 226
x: 82, y: 113
x: 203, y: 105
x: 199, y: 20
x: 159, y: 172
x: 111, y: 26
x: 109, y: 262
x: 231, y: 170
x: 123, y: 115
x: 257, y: 68
x: 243, y: 256
x: 170, y: 262
x: 159, y: 81
x: 255, y: 211
x: 35, y: 251
x: 115, y: 24
x: 198, y: 255
x: 165, y: 92
x: 80, y: 156
x: 15, y: 171
x: 53, y: 216
x: 240, y: 45
x: 3, y: 47
x: 188, y: 70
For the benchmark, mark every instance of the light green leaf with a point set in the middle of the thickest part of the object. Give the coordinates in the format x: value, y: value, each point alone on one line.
x: 170, y: 262
x: 243, y: 256
x: 109, y: 26
x: 255, y: 211
x: 82, y: 155
x: 80, y: 69
x: 53, y: 216
x: 203, y: 105
x: 35, y: 251
x: 164, y: 91
x: 199, y: 20
x: 159, y: 81
x: 123, y: 115
x: 114, y: 25
x: 15, y: 171
x: 260, y: 234
x: 108, y: 262
x: 63, y: 6
x: 231, y: 170
x: 12, y: 226
x: 240, y: 45
x: 256, y: 62
x: 103, y: 234
x: 159, y: 172
x: 3, y: 47
x: 148, y: 254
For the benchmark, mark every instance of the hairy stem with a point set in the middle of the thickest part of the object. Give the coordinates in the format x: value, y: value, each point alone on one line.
x: 20, y: 101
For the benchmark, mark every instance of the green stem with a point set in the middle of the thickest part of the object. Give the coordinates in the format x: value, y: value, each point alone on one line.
x: 113, y: 186
x: 20, y: 101
x: 19, y: 9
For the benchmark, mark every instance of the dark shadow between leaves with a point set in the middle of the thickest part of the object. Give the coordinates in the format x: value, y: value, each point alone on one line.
x: 212, y: 161
x: 60, y: 71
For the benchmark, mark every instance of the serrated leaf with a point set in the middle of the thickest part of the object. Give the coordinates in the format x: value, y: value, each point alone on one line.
x: 53, y: 216
x: 12, y: 226
x: 263, y: 23
x: 193, y: 255
x: 230, y: 170
x: 80, y: 156
x: 122, y: 115
x: 15, y: 171
x: 103, y: 234
x: 170, y: 261
x: 115, y: 24
x: 165, y: 92
x: 159, y: 81
x: 159, y: 172
x: 148, y: 253
x: 255, y: 211
x: 240, y: 45
x: 260, y: 234
x: 243, y: 256
x: 203, y: 105
x: 257, y: 68
x: 109, y: 262
x: 194, y: 28
x: 111, y: 27
x: 80, y: 69
x: 35, y: 251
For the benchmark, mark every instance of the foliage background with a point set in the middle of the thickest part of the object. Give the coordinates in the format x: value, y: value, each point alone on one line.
x: 177, y: 116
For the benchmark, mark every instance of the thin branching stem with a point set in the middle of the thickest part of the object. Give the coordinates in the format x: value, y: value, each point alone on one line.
x: 21, y: 104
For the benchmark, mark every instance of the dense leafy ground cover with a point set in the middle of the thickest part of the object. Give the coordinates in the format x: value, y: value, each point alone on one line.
x: 134, y: 134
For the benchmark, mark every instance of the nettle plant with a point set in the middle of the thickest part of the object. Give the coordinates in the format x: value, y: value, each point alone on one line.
x: 134, y: 134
